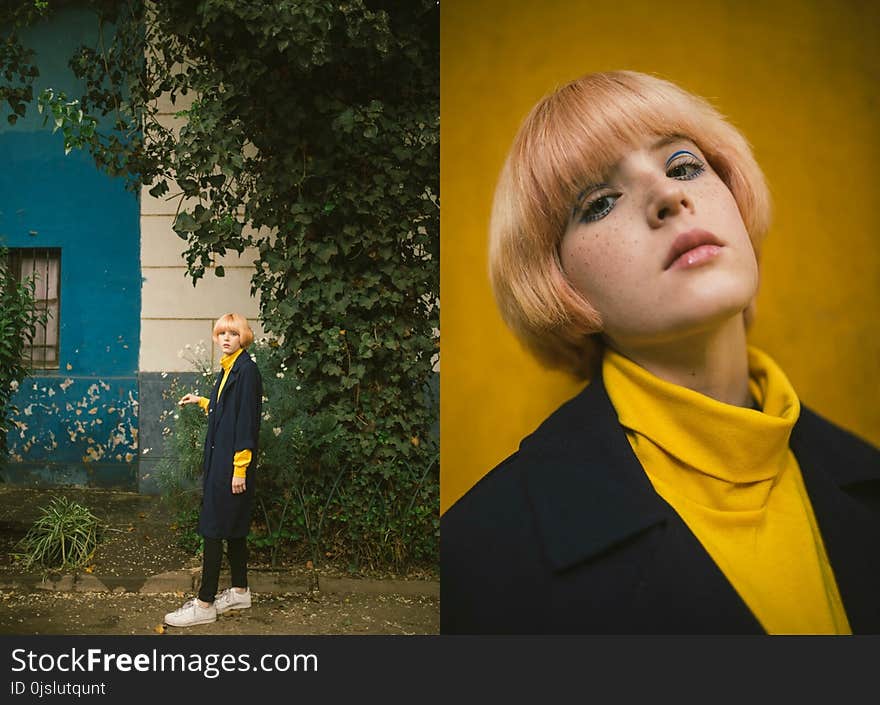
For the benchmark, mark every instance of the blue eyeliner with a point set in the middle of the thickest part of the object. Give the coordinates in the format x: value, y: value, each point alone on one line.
x: 680, y: 151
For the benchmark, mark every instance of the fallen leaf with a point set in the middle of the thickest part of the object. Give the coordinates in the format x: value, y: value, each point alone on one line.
x: 90, y: 569
x: 159, y: 629
x: 142, y: 515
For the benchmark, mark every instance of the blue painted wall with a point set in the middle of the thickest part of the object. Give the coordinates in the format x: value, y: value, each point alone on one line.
x: 76, y: 425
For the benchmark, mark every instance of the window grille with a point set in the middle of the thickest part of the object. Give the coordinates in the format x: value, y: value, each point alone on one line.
x: 44, y: 265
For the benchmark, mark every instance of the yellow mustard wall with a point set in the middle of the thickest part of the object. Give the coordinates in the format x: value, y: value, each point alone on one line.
x: 798, y: 78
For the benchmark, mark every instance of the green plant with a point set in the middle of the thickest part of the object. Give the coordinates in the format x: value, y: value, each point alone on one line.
x: 178, y: 473
x: 19, y: 318
x: 63, y: 537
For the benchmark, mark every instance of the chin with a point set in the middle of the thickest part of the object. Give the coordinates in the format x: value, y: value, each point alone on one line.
x: 701, y: 309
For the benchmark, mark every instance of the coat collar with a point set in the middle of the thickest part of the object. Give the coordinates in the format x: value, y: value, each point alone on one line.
x: 589, y: 493
x: 240, y: 361
x: 587, y: 488
x: 836, y: 466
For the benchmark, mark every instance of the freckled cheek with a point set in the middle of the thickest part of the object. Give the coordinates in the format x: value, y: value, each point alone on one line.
x: 596, y: 259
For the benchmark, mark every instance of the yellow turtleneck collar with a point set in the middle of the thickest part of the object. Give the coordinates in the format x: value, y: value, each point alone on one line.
x: 227, y: 361
x: 720, y: 441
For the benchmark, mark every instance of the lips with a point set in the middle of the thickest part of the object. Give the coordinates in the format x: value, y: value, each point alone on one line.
x: 687, y: 241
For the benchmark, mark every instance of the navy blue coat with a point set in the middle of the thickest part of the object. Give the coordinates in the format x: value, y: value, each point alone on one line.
x: 568, y: 536
x: 233, y: 425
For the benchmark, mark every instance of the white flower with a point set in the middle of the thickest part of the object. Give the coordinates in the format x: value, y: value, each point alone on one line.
x: 277, y: 431
x: 187, y: 347
x: 298, y: 387
x: 164, y: 375
x: 280, y: 375
x: 13, y: 385
x: 146, y: 450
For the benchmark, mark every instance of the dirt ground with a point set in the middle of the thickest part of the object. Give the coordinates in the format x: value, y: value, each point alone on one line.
x: 140, y: 539
x: 298, y: 613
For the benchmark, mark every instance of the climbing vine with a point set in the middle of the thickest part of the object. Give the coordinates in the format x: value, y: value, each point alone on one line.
x: 310, y: 133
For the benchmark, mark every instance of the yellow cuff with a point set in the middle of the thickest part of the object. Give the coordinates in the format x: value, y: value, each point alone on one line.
x: 241, y: 461
x: 203, y: 403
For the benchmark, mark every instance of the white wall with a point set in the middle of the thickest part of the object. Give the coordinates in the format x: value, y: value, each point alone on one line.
x: 173, y: 312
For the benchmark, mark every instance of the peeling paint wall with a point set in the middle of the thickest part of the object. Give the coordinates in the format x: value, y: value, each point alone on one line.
x: 78, y: 424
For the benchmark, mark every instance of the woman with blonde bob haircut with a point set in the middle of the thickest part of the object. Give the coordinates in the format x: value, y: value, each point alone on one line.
x: 233, y: 410
x: 568, y: 140
x: 685, y: 489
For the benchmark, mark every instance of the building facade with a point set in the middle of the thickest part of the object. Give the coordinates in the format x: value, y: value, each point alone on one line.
x: 125, y: 319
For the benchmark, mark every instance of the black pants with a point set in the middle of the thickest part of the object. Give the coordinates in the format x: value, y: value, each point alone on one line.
x: 236, y: 551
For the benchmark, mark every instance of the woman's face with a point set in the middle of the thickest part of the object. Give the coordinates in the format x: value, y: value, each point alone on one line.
x: 660, y: 249
x: 229, y: 341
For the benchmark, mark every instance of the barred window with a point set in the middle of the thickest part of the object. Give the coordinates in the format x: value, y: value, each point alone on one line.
x: 44, y: 265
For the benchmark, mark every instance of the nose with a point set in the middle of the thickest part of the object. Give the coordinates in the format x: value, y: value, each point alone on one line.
x: 667, y: 200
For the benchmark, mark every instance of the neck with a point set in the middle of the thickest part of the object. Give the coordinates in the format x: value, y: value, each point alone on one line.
x: 713, y: 362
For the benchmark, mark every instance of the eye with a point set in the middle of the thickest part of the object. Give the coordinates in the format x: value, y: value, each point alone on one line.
x: 684, y: 167
x: 598, y: 207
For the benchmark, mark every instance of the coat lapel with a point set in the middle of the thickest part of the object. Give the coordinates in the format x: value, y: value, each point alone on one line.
x: 230, y: 381
x: 835, y: 476
x: 589, y: 494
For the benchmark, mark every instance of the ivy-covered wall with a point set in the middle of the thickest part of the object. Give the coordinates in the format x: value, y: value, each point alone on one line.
x: 77, y: 424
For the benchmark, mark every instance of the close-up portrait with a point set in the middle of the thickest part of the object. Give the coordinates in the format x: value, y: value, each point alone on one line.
x: 661, y: 282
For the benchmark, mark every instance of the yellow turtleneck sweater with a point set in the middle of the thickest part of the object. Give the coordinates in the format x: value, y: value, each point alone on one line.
x: 730, y: 475
x: 242, y: 459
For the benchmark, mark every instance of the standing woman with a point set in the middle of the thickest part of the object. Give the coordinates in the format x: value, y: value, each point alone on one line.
x: 229, y: 462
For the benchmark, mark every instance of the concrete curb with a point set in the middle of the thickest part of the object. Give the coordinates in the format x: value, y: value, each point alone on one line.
x: 187, y: 581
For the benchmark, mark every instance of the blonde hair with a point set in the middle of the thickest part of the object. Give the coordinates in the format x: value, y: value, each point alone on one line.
x: 569, y: 139
x: 234, y: 322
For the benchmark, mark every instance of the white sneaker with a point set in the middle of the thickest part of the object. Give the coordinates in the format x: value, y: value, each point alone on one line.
x: 190, y: 614
x: 229, y: 599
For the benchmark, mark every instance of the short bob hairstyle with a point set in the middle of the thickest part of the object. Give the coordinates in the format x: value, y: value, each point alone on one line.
x: 234, y: 322
x: 569, y: 139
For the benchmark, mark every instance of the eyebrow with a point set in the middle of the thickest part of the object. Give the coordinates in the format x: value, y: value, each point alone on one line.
x: 666, y: 140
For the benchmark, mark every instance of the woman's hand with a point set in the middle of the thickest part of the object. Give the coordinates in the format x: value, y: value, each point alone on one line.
x: 189, y: 399
x: 238, y: 485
